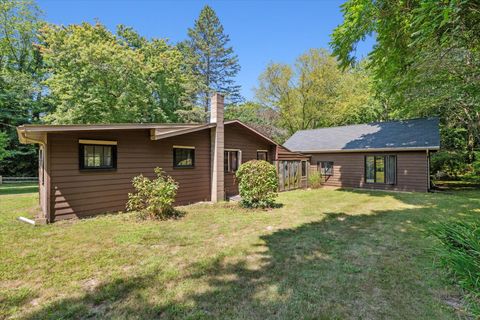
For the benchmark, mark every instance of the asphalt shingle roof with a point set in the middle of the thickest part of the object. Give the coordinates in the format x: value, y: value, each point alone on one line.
x: 403, y: 134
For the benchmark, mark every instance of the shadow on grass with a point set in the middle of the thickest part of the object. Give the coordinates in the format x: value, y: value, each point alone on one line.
x: 8, y: 189
x: 12, y: 299
x: 173, y: 214
x: 372, y: 266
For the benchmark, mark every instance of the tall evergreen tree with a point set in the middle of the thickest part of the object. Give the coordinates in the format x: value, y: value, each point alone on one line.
x: 214, y: 61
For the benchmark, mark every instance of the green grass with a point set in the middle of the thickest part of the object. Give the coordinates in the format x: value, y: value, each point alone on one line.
x: 455, y: 185
x: 18, y: 188
x: 325, y: 254
x: 459, y: 252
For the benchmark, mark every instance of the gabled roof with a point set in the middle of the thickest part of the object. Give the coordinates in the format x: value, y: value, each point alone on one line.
x: 414, y: 134
x: 258, y: 133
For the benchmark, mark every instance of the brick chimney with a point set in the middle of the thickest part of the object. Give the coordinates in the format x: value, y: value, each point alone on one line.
x: 217, y: 142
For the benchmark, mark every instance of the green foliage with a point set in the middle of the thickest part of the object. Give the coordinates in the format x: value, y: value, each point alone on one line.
x: 154, y: 198
x: 426, y: 56
x: 212, y: 59
x: 194, y: 115
x: 3, y: 145
x: 314, y: 93
x: 315, y: 179
x: 448, y: 164
x: 459, y: 253
x: 473, y: 172
x: 257, y: 184
x: 258, y: 116
x: 21, y: 93
x: 100, y: 77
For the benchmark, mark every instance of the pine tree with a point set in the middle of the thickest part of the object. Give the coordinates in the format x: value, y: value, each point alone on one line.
x: 214, y: 62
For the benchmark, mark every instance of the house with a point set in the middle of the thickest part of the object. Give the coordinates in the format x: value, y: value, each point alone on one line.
x: 392, y: 155
x: 87, y: 169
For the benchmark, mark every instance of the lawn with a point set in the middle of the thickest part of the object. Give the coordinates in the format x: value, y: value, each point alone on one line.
x: 18, y: 188
x: 325, y: 254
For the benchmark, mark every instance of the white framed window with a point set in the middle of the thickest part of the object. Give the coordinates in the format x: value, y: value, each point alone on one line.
x: 325, y: 168
x: 232, y: 160
x: 262, y: 155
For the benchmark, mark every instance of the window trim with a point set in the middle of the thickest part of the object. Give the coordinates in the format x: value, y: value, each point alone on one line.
x: 320, y: 168
x: 96, y: 143
x: 375, y: 169
x: 239, y: 159
x: 263, y: 151
x: 175, y: 166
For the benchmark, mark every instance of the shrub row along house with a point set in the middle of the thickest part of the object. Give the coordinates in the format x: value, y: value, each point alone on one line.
x: 87, y: 169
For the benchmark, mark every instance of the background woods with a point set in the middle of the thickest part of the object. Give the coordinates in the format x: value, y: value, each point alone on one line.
x: 425, y: 62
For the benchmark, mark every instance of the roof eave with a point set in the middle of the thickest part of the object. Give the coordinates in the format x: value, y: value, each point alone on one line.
x: 154, y: 135
x: 432, y: 148
x: 35, y: 138
x: 96, y: 127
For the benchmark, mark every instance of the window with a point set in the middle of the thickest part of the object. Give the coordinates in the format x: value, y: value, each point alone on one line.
x: 325, y: 168
x: 304, y: 168
x: 96, y: 154
x: 262, y: 155
x: 183, y: 157
x: 231, y: 161
x: 381, y: 169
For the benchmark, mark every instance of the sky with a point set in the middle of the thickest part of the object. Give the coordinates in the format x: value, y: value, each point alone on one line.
x: 260, y: 31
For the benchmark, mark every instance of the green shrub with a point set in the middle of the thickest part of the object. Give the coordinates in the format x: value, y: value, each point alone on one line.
x: 459, y: 253
x: 315, y: 179
x: 257, y: 184
x: 448, y: 164
x: 473, y: 173
x: 153, y: 198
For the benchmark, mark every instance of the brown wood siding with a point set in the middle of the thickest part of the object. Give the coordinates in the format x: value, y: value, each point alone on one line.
x: 77, y: 193
x: 349, y: 170
x: 238, y: 137
x: 284, y: 154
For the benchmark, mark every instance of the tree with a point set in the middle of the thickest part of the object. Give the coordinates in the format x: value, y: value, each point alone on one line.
x: 21, y: 72
x: 314, y: 93
x: 426, y: 60
x: 262, y: 118
x: 3, y: 145
x: 100, y: 77
x: 213, y: 60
